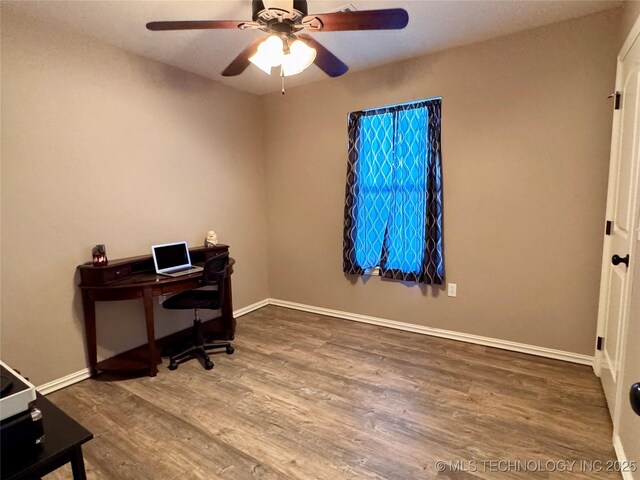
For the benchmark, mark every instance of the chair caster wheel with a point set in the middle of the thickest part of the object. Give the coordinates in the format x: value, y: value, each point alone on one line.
x: 172, y: 366
x: 230, y: 350
x: 208, y: 365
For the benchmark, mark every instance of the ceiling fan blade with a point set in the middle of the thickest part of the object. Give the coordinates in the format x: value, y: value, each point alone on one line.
x: 387, y: 19
x: 241, y: 62
x: 325, y: 60
x: 194, y: 25
x: 256, y: 6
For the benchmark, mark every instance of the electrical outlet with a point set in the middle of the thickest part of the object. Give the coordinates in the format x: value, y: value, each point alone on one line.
x: 452, y: 289
x: 161, y: 299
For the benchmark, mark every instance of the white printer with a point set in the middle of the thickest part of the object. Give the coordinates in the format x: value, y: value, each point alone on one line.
x: 20, y: 421
x: 16, y: 393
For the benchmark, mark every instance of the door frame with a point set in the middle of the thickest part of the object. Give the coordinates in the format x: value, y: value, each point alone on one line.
x: 632, y: 38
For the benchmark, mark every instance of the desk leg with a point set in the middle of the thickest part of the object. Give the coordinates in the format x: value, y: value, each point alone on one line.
x: 151, y: 334
x: 89, y: 309
x: 77, y: 465
x: 227, y: 310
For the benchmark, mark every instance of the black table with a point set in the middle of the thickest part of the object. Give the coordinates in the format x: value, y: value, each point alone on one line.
x: 63, y: 439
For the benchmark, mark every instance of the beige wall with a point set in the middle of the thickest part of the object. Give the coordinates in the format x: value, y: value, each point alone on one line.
x: 629, y: 13
x: 100, y: 146
x: 526, y: 137
x: 91, y: 135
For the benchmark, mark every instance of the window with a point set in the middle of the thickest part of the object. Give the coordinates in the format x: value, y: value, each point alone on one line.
x: 393, y: 205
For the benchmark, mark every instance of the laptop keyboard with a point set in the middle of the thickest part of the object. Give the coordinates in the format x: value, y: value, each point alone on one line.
x: 183, y: 271
x: 177, y: 270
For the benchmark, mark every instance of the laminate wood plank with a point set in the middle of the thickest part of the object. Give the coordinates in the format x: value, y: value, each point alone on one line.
x: 284, y: 411
x: 442, y: 353
x: 313, y: 397
x: 135, y: 431
x: 264, y: 420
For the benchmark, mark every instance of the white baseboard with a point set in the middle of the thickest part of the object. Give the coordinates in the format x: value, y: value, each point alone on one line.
x: 250, y: 308
x: 80, y: 375
x: 437, y: 332
x: 52, y: 386
x: 622, y: 458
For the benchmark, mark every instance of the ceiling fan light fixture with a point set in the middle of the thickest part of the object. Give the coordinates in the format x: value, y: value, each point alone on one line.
x: 269, y: 54
x: 286, y: 21
x: 300, y: 56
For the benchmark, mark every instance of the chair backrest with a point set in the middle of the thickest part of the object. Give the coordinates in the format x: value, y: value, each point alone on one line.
x: 215, y: 273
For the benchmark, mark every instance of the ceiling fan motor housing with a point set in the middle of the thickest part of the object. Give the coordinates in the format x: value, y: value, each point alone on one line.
x: 299, y: 10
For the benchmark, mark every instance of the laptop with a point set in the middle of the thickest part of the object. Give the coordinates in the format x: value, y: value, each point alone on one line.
x: 172, y: 259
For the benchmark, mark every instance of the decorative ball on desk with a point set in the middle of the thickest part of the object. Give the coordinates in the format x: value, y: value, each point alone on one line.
x: 211, y: 240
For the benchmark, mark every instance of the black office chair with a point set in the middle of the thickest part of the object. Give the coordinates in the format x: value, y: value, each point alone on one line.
x: 214, y: 273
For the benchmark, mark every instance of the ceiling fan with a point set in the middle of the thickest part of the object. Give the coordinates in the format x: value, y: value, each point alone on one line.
x: 287, y: 46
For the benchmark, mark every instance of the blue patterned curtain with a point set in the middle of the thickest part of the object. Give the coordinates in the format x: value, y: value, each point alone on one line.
x: 393, y: 207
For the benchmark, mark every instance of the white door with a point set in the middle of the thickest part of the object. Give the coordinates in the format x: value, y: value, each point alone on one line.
x: 627, y: 436
x: 622, y: 211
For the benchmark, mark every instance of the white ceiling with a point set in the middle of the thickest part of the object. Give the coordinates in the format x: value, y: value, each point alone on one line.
x: 433, y: 26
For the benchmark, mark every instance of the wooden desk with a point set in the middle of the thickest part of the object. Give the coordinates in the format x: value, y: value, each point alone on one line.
x: 135, y: 277
x: 63, y: 440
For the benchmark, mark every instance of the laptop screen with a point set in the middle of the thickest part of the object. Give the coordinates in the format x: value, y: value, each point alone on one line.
x: 170, y: 256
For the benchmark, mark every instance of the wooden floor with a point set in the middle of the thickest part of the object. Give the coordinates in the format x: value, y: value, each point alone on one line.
x: 312, y: 397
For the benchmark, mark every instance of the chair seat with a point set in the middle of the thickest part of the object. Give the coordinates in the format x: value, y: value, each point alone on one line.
x: 193, y: 299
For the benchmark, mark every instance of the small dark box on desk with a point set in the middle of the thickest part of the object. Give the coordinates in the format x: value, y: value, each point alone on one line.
x: 21, y: 427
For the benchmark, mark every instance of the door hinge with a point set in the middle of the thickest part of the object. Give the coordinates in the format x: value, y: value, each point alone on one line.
x: 607, y: 229
x: 616, y: 102
x: 600, y: 343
